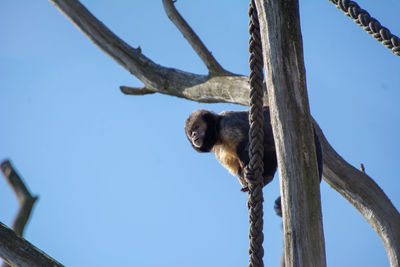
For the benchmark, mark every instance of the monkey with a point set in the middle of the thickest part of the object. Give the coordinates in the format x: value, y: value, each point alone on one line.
x: 227, y: 135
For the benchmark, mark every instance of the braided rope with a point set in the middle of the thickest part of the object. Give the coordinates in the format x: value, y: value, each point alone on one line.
x: 369, y: 24
x: 256, y: 148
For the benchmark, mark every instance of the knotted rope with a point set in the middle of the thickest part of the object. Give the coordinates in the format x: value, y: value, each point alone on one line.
x: 256, y: 148
x: 369, y: 24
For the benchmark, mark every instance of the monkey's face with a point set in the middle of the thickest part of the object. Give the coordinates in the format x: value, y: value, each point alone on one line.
x: 201, y: 130
x: 197, y: 133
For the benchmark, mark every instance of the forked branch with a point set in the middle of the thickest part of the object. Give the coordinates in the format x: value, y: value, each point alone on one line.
x: 152, y: 75
x: 156, y: 78
x: 25, y: 198
x: 15, y: 250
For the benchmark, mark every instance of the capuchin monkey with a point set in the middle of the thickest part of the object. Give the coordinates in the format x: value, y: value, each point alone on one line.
x: 227, y: 136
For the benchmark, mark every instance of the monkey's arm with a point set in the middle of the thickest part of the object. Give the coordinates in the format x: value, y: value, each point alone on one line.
x: 243, y: 154
x: 270, y: 161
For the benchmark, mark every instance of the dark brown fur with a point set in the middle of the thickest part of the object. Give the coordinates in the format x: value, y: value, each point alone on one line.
x: 226, y: 135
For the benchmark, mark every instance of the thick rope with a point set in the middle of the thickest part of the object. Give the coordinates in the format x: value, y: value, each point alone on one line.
x: 256, y: 148
x: 369, y: 24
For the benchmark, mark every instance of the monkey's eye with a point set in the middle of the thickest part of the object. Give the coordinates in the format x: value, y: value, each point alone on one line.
x: 195, y: 128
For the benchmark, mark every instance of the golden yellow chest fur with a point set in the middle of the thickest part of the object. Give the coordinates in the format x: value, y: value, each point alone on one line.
x: 227, y: 155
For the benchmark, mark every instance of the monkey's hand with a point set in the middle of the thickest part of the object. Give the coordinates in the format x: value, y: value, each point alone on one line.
x: 249, y: 175
x: 250, y: 178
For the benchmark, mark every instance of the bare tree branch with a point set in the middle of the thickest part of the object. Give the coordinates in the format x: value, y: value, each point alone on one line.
x: 212, y: 64
x: 16, y: 251
x: 151, y: 74
x: 136, y: 90
x: 25, y: 198
x: 358, y: 188
x: 365, y: 195
x: 154, y: 76
x: 216, y: 89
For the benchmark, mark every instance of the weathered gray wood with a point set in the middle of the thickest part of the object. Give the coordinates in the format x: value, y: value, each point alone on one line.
x: 365, y: 195
x: 359, y: 189
x: 290, y: 118
x: 198, y: 46
x: 25, y: 198
x: 16, y: 251
x: 156, y: 78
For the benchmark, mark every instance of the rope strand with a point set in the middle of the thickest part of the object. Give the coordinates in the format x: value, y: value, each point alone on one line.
x: 369, y: 24
x: 256, y: 148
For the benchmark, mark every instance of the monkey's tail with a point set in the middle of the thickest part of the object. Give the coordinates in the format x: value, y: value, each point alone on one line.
x: 278, y: 206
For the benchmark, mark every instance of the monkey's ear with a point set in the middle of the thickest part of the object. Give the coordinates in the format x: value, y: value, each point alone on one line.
x: 210, y: 118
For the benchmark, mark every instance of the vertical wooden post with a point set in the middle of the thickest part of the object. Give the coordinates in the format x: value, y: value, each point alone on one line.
x: 290, y: 118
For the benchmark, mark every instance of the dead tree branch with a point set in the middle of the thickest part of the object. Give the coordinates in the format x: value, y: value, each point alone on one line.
x: 155, y: 77
x: 358, y: 188
x: 198, y: 46
x: 365, y: 195
x: 136, y: 90
x: 25, y: 198
x: 16, y: 251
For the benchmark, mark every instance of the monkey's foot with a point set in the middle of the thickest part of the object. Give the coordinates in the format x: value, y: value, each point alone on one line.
x: 278, y: 206
x: 244, y: 189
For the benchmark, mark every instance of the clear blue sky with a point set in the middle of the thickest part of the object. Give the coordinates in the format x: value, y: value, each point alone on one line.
x: 120, y: 185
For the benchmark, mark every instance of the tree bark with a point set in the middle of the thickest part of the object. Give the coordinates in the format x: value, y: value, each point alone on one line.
x: 25, y: 198
x: 16, y: 251
x: 290, y: 118
x: 214, y: 68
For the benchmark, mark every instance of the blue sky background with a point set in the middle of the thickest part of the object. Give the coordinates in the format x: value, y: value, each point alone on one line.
x: 120, y: 185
